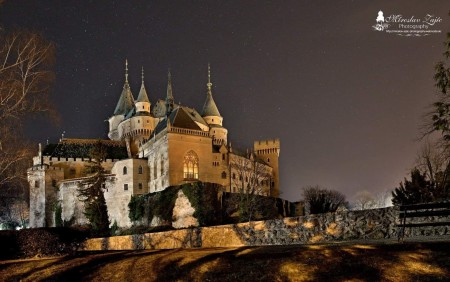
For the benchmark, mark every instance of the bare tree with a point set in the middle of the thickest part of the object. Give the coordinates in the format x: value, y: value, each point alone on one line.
x: 26, y: 61
x: 250, y: 179
x: 364, y: 200
x: 322, y: 200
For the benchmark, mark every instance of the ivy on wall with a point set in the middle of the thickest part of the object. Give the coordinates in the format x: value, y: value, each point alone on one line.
x: 202, y: 196
x: 212, y: 207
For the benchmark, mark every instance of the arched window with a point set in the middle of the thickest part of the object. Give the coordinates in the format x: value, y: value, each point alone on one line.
x: 125, y: 170
x: 190, y: 165
x: 224, y: 175
x: 140, y: 169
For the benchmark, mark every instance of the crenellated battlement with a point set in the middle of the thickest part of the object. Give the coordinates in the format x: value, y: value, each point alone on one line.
x: 48, y: 160
x: 270, y: 146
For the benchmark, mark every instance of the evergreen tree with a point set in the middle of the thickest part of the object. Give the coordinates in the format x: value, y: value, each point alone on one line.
x: 414, y: 191
x: 90, y: 191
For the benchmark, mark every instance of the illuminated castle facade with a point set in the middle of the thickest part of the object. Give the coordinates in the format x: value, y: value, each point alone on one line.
x: 152, y: 147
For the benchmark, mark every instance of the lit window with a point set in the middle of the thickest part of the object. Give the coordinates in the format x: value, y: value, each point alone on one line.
x: 190, y: 165
x: 125, y: 170
x: 125, y: 187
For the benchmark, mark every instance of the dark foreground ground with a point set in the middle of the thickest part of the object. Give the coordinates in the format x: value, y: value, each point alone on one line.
x: 426, y: 261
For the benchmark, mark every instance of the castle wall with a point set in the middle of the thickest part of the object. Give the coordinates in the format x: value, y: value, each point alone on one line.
x: 72, y: 207
x: 156, y: 152
x: 179, y: 145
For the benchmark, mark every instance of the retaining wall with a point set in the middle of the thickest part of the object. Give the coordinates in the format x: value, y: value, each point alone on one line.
x: 345, y: 225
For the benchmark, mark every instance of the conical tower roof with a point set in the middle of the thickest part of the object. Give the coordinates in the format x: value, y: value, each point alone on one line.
x: 126, y: 100
x: 210, y: 108
x: 142, y: 97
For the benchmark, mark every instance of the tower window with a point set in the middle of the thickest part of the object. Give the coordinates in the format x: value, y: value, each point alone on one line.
x: 125, y: 187
x: 125, y: 170
x: 140, y: 169
x: 224, y: 175
x: 140, y: 186
x: 223, y: 157
x: 190, y: 165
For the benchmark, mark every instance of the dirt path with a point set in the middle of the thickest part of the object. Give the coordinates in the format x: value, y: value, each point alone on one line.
x: 425, y: 261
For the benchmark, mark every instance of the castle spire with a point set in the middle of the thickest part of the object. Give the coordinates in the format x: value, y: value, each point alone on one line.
x: 209, y: 84
x: 210, y: 108
x: 126, y: 71
x: 169, y: 97
x: 142, y: 97
x: 126, y: 100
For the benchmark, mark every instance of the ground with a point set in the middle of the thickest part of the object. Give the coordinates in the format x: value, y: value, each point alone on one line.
x: 387, y: 261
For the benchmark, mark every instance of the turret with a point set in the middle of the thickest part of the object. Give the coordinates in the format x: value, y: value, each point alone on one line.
x: 124, y: 105
x: 142, y: 101
x: 211, y: 115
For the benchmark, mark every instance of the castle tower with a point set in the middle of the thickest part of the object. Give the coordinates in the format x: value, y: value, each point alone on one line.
x: 141, y: 122
x: 211, y: 115
x: 124, y: 105
x: 269, y: 152
x: 169, y: 97
x: 43, y: 193
x: 142, y: 102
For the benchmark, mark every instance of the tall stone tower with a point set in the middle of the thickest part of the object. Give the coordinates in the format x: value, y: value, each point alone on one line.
x: 269, y: 152
x: 43, y: 189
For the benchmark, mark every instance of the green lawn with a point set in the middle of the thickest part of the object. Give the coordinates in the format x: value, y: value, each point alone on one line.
x: 429, y: 261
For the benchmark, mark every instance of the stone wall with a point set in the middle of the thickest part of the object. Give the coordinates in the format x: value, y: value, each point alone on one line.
x: 340, y: 226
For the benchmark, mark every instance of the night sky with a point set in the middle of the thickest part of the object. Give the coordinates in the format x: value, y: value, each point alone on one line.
x: 347, y: 102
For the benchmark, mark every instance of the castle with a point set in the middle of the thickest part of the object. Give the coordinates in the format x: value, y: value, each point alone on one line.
x: 152, y: 147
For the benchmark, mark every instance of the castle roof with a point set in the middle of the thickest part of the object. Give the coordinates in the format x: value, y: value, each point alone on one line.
x: 181, y: 117
x: 142, y: 97
x: 210, y: 108
x: 126, y: 100
x: 81, y: 148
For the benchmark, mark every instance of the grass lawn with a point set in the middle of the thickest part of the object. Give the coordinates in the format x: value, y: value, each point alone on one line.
x: 426, y: 261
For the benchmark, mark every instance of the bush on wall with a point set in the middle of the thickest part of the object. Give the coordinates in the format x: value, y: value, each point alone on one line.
x: 202, y: 196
